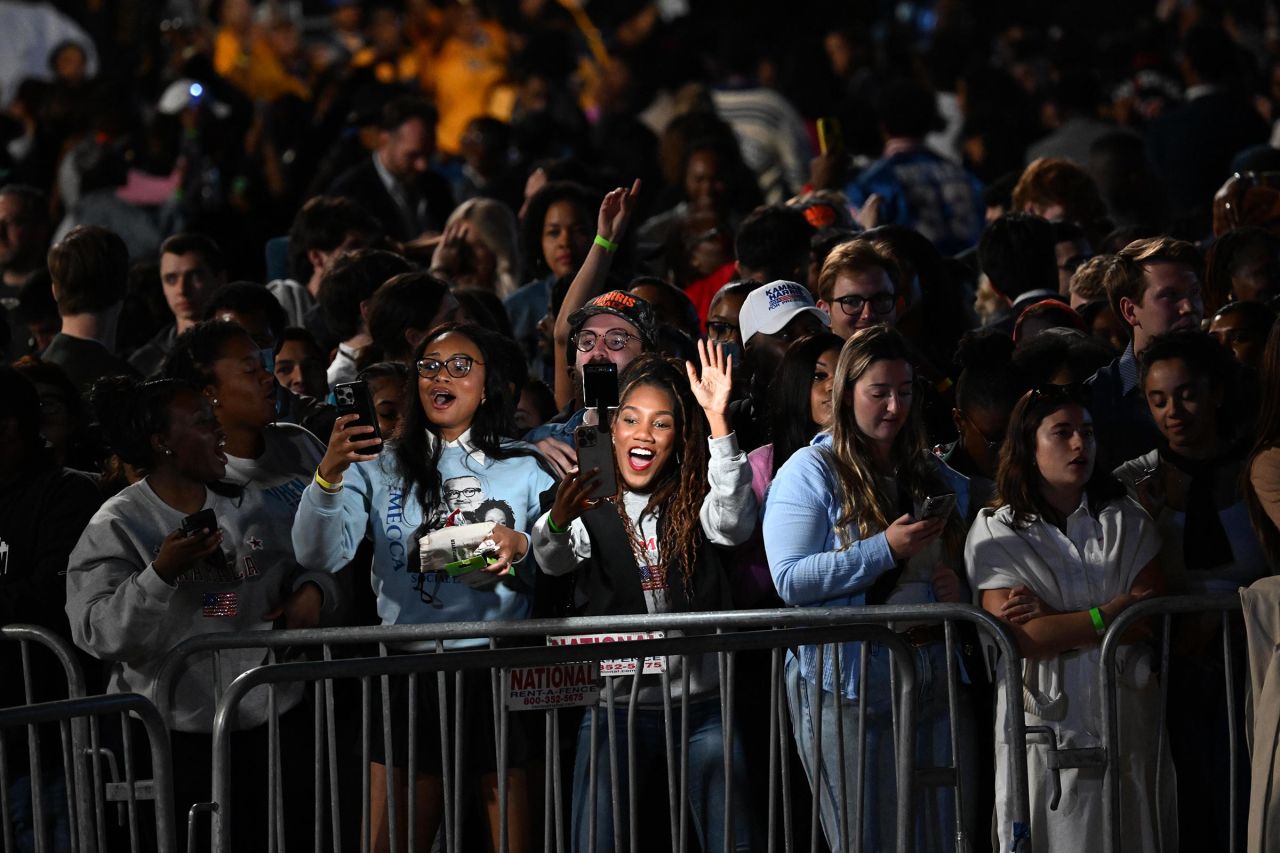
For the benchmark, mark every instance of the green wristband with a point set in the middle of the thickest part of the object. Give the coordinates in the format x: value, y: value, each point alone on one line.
x: 1099, y: 625
x: 606, y: 244
x: 555, y: 528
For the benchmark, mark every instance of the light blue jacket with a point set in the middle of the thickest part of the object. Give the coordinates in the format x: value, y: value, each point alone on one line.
x: 374, y: 501
x: 808, y: 566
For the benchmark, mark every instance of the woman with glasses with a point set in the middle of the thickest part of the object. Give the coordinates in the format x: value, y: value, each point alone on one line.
x: 1062, y: 554
x: 451, y: 458
x: 845, y: 524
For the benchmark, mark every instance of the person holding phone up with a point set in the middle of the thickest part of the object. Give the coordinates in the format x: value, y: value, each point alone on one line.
x: 849, y: 521
x: 451, y: 465
x: 683, y: 487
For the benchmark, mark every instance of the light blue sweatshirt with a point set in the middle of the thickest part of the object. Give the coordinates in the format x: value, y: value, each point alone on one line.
x: 374, y: 501
x: 809, y: 567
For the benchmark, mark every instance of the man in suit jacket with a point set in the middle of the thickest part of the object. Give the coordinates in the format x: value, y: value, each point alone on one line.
x: 396, y: 183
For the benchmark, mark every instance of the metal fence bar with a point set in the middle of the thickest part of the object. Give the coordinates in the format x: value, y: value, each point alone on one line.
x: 10, y: 845
x: 815, y: 821
x: 122, y: 704
x: 1232, y: 734
x: 953, y: 715
x: 1108, y: 685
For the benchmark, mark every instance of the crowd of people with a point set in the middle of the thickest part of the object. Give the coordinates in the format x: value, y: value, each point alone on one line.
x: 899, y: 306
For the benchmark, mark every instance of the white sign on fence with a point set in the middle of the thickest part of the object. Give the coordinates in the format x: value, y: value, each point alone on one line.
x: 559, y: 685
x: 626, y: 666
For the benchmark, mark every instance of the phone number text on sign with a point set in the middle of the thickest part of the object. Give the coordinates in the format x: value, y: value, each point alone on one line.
x: 563, y: 685
x: 625, y: 666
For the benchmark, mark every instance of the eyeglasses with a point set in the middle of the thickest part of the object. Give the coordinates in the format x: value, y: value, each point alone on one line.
x: 454, y: 494
x: 993, y: 444
x: 719, y: 330
x: 457, y: 365
x: 881, y: 303
x: 615, y: 339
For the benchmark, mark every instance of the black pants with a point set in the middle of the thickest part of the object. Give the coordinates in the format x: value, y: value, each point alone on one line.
x: 249, y: 772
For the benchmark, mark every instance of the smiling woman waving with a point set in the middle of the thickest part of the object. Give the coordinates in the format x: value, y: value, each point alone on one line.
x: 684, y: 486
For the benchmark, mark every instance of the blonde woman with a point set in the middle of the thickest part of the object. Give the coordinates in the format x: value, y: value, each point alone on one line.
x: 480, y: 248
x: 843, y: 526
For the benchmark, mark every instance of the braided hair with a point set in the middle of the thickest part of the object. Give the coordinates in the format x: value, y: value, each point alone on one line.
x: 681, y: 486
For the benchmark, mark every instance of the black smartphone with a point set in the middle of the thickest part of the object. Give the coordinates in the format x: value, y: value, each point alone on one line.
x: 354, y: 398
x: 938, y: 506
x: 600, y: 387
x: 595, y: 450
x: 205, y: 519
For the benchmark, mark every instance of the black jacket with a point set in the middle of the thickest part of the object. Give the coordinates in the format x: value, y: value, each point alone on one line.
x: 610, y: 580
x: 362, y: 185
x: 1122, y: 422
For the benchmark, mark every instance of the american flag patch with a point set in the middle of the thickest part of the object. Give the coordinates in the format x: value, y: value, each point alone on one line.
x: 221, y: 604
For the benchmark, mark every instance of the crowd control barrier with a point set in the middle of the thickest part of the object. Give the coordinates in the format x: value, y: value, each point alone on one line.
x: 82, y: 771
x: 642, y: 639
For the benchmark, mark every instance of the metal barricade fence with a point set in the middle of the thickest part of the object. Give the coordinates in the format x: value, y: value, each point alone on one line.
x: 75, y: 739
x: 1112, y: 749
x: 722, y: 633
x: 86, y: 829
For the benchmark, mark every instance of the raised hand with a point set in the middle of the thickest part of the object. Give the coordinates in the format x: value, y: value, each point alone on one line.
x: 714, y: 387
x: 447, y: 258
x: 615, y: 211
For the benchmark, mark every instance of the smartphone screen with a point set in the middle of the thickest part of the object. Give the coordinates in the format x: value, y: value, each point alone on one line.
x: 354, y: 398
x: 600, y: 386
x: 595, y: 450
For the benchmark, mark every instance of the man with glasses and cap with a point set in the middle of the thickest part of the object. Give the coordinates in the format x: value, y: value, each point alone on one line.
x: 614, y: 327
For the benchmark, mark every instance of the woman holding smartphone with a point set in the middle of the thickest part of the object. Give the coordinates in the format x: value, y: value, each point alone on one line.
x: 171, y: 557
x: 682, y: 487
x: 844, y: 525
x: 451, y: 458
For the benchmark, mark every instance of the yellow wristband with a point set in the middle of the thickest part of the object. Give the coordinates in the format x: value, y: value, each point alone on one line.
x: 325, y: 484
x: 605, y: 243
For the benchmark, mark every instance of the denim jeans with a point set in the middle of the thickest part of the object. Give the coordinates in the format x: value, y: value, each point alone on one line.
x: 53, y: 804
x: 706, y: 777
x: 934, y: 807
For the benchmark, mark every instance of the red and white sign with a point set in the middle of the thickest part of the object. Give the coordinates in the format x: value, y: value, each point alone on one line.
x: 560, y: 685
x: 625, y: 666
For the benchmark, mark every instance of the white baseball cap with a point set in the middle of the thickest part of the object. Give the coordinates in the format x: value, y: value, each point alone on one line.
x: 767, y: 309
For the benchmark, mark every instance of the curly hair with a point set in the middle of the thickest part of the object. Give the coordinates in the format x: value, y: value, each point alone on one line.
x: 196, y: 349
x: 681, y: 486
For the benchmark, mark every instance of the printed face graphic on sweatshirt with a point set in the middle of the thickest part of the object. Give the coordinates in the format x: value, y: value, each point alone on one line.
x: 463, y: 493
